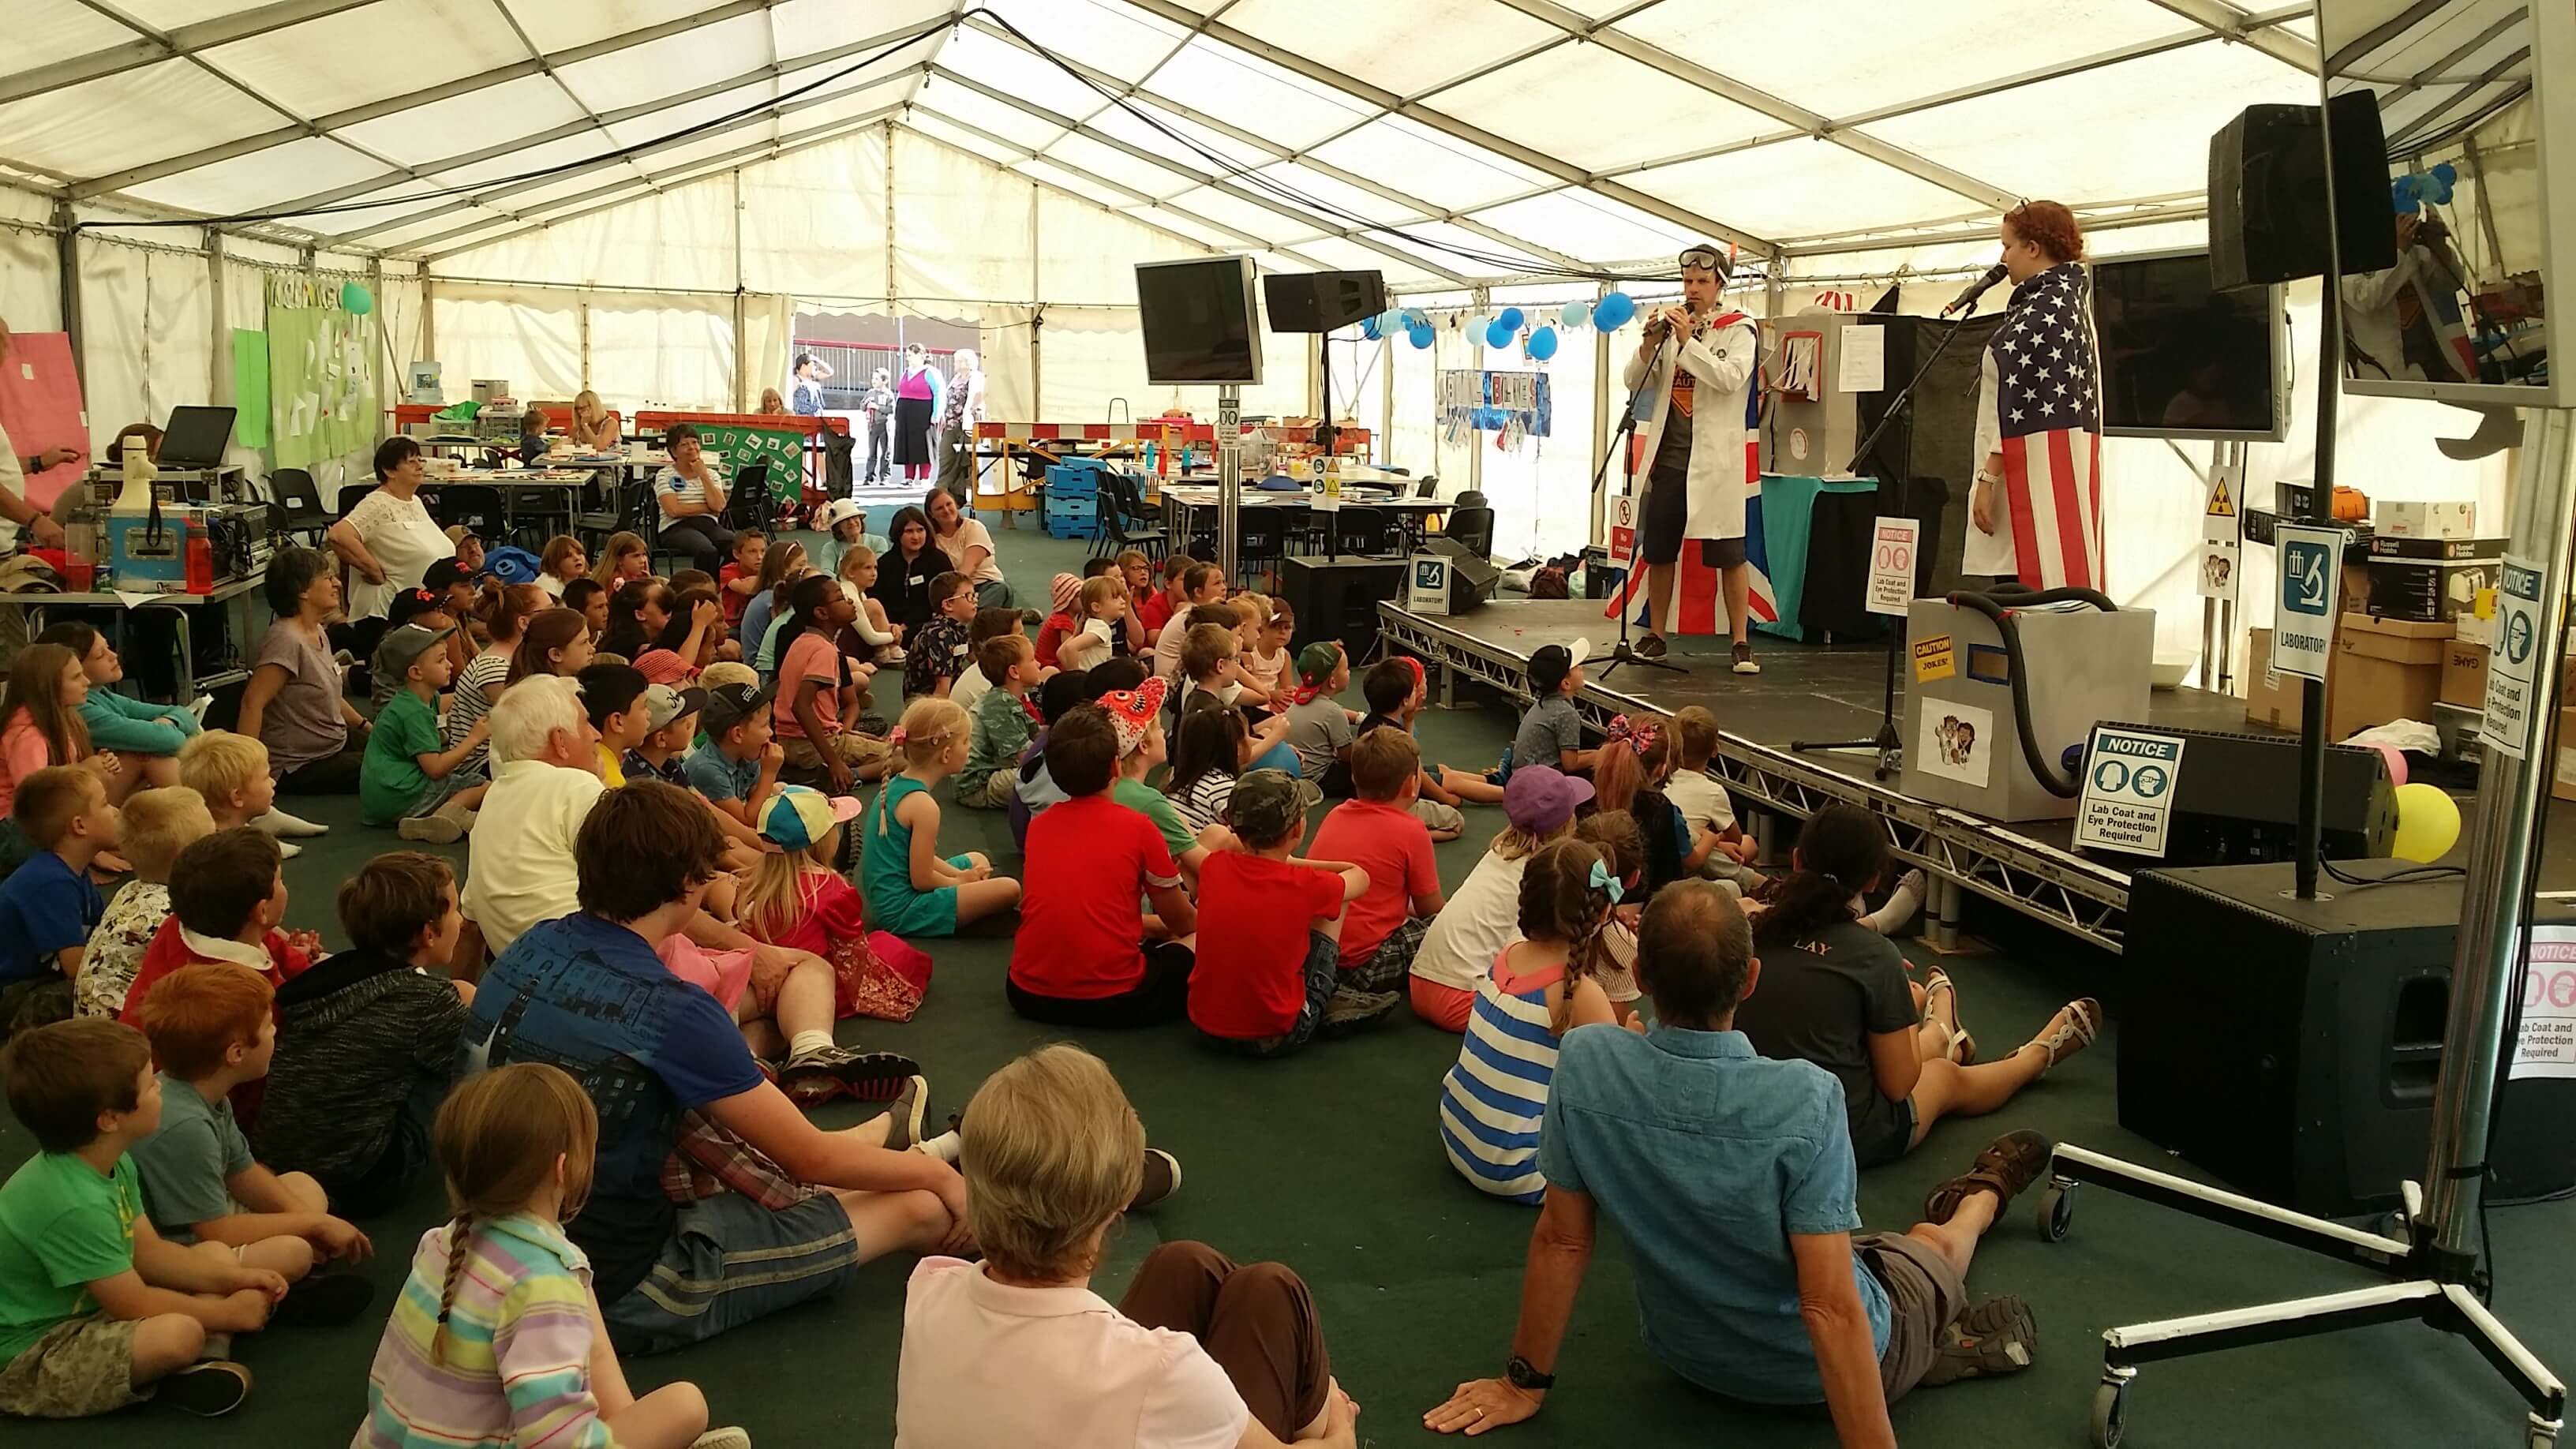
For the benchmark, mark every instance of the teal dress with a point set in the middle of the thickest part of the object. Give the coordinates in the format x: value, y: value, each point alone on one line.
x: 885, y: 871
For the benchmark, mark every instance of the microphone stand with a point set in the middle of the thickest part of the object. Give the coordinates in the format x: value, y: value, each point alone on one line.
x: 1887, y: 743
x: 1621, y: 653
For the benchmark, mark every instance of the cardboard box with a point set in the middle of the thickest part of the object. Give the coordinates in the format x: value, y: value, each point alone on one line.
x: 2274, y: 701
x: 2385, y: 546
x: 2431, y: 591
x: 2464, y: 673
x: 2425, y: 520
x: 2383, y: 669
x: 2356, y: 585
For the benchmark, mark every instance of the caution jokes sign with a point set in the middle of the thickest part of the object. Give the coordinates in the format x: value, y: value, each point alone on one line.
x: 2128, y: 790
x: 1933, y: 659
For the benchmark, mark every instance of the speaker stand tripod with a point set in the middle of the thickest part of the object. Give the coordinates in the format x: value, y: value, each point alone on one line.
x: 2432, y: 1271
x: 1888, y: 744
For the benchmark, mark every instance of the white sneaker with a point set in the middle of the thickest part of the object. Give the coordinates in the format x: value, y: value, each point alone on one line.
x: 277, y: 822
x: 200, y: 705
x: 727, y: 1437
x: 288, y: 850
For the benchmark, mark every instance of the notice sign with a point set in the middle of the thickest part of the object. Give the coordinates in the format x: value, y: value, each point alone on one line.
x: 2311, y: 580
x: 2128, y: 790
x: 1426, y: 584
x: 1934, y: 658
x: 2513, y: 652
x: 1623, y: 528
x: 1863, y: 359
x: 2547, y: 1045
x: 1891, y: 566
x: 1328, y: 497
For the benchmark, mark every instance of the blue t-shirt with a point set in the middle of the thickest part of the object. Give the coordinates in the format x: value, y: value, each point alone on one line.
x: 45, y: 907
x: 1709, y: 1158
x: 755, y: 627
x: 590, y: 996
x: 719, y: 777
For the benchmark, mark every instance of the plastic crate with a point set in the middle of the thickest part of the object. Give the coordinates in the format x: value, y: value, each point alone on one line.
x: 1074, y: 516
x: 1075, y: 477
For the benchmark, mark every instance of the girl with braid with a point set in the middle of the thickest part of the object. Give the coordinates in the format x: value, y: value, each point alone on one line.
x: 1542, y: 986
x: 496, y: 1338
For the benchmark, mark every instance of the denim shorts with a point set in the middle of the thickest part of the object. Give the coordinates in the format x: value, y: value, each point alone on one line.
x: 730, y: 1261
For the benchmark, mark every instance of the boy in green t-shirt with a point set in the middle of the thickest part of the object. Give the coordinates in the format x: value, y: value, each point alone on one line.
x: 409, y: 779
x: 97, y: 1310
x: 1137, y: 715
x: 1003, y: 723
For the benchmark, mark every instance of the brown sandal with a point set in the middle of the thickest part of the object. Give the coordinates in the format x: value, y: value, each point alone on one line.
x: 2010, y: 1163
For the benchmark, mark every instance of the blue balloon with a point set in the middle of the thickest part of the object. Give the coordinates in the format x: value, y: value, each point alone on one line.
x: 1420, y: 334
x: 1542, y: 343
x: 2406, y: 194
x: 1511, y: 317
x: 1499, y: 335
x: 2446, y: 173
x: 1368, y: 328
x: 1574, y: 314
x: 1416, y: 317
x: 1612, y: 312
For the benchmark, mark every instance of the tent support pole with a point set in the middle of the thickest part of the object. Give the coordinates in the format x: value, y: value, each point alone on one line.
x: 1477, y: 298
x: 384, y: 338
x: 1386, y: 401
x: 889, y: 216
x: 67, y: 263
x: 1601, y: 395
x: 428, y: 326
x: 741, y: 354
x: 219, y: 380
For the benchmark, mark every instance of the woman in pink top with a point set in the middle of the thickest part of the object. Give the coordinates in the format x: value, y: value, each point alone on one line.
x: 1200, y: 1354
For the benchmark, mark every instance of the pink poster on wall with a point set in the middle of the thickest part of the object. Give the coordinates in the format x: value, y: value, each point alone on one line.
x: 40, y: 406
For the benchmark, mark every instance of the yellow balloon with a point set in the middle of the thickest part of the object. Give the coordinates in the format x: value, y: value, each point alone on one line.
x: 2428, y: 823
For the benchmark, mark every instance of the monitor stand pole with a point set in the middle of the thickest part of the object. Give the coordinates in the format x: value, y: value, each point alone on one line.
x: 1229, y: 473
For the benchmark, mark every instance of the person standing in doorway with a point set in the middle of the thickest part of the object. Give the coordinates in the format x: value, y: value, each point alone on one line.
x: 916, y: 408
x: 957, y: 420
x: 878, y: 404
x: 1697, y: 363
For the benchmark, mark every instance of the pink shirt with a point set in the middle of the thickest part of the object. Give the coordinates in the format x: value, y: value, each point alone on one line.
x: 811, y: 656
x: 985, y: 1364
x: 720, y: 974
x: 23, y: 752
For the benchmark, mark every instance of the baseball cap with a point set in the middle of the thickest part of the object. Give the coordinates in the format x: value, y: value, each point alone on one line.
x: 408, y: 603
x: 401, y: 648
x: 1266, y: 805
x: 1315, y: 662
x: 728, y: 705
x: 1064, y: 591
x: 663, y: 704
x: 1132, y: 711
x: 1549, y: 666
x: 443, y: 572
x: 799, y: 815
x: 837, y: 512
x: 1541, y: 799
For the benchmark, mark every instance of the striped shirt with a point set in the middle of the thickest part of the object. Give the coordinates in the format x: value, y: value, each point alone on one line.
x: 470, y: 700
x: 518, y: 1347
x: 1492, y: 1102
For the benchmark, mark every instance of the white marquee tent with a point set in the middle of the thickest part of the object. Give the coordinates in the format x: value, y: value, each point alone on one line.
x: 638, y: 195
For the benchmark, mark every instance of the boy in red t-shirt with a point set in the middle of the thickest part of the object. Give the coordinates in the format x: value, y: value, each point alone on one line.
x: 1080, y: 957
x: 1156, y: 610
x: 1271, y: 979
x: 741, y: 578
x: 1380, y: 833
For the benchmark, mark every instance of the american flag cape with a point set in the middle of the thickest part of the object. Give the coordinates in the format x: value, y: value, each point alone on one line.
x: 1699, y: 597
x: 2048, y: 395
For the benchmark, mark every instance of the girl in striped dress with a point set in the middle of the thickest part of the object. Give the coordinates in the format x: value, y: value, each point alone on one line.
x: 496, y: 1340
x: 1541, y: 987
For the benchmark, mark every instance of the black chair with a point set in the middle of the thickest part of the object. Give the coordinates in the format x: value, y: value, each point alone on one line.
x: 297, y: 508
x: 1473, y: 498
x: 351, y: 495
x: 601, y: 507
x: 1124, y: 522
x: 1427, y: 488
x: 1474, y: 528
x: 748, y: 503
x: 1260, y: 539
x: 533, y: 513
x: 1362, y: 531
x: 476, y: 505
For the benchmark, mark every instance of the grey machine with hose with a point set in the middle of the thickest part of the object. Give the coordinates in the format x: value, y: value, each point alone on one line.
x: 2006, y: 686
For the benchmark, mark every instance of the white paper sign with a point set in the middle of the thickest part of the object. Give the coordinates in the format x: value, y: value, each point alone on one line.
x: 1959, y: 742
x: 2311, y: 585
x: 1426, y: 584
x: 1328, y: 496
x: 2216, y: 576
x: 2128, y: 799
x: 1891, y: 566
x: 1864, y: 359
x: 2513, y: 653
x: 2547, y: 1046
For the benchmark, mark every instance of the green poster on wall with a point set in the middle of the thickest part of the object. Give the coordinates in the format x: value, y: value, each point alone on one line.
x: 321, y: 393
x: 250, y: 388
x: 783, y: 449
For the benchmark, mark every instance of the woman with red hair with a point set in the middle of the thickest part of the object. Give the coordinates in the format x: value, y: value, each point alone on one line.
x: 2035, y: 513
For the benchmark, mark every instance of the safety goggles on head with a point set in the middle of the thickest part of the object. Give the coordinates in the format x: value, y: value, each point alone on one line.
x: 1704, y: 259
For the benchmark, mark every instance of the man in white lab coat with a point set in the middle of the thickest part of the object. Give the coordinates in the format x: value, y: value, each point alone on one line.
x: 1697, y: 362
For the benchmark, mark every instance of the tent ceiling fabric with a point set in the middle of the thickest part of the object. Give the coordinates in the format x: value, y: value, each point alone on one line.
x: 1531, y: 135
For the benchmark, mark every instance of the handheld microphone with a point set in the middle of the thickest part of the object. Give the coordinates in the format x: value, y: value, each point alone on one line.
x: 1967, y: 298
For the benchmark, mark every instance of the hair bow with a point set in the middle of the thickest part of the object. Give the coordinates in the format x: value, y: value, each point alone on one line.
x: 1637, y: 735
x: 1603, y: 880
x: 898, y: 737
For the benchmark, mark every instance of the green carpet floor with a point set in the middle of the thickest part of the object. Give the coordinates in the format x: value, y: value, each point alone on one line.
x: 1329, y: 1161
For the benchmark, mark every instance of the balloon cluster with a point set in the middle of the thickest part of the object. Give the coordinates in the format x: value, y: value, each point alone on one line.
x: 2411, y: 191
x: 1500, y: 329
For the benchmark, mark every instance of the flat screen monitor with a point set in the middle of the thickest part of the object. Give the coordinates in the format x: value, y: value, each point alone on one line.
x: 2181, y: 359
x: 1202, y: 320
x: 196, y: 437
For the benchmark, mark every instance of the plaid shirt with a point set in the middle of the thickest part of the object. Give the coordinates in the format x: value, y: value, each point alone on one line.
x: 938, y: 652
x: 709, y: 1159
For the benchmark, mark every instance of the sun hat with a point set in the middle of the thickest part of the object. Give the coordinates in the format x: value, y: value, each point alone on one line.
x: 1065, y: 591
x: 1542, y: 799
x: 1132, y: 712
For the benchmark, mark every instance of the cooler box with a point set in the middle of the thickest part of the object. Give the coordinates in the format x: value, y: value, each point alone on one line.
x: 1962, y: 747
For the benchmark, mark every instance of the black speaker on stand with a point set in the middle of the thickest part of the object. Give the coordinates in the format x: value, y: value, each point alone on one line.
x: 2267, y: 193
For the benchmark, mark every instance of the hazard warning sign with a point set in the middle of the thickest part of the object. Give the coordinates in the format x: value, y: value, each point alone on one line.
x: 2222, y: 501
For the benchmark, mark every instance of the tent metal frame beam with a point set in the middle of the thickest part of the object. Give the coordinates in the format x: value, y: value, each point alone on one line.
x: 621, y: 193
x: 1207, y: 179
x: 410, y: 100
x: 151, y: 47
x: 483, y: 199
x: 1620, y: 42
x: 1424, y: 211
x: 2110, y: 218
x: 2229, y: 23
x: 1389, y: 102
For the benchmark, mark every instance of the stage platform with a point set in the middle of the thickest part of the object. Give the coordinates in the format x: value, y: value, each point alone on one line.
x: 1811, y: 692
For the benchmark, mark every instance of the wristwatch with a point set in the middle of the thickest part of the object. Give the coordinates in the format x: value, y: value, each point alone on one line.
x: 1525, y: 1377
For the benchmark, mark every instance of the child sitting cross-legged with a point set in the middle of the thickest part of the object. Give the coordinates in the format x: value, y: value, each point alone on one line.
x: 736, y: 770
x: 227, y: 902
x: 1319, y: 729
x: 1207, y: 759
x: 798, y: 898
x: 989, y: 625
x: 496, y: 1338
x: 211, y: 1030
x: 819, y: 697
x: 49, y: 907
x: 1538, y: 988
x: 935, y: 659
x: 1379, y: 832
x: 1268, y: 982
x: 1484, y: 916
x: 1706, y: 808
x: 410, y: 778
x: 232, y: 772
x: 366, y: 1040
x: 1101, y: 604
x: 1064, y: 593
x: 910, y: 888
x: 154, y: 827
x: 1138, y: 715
x: 1080, y: 957
x: 1394, y: 689
x: 1003, y: 720
x: 101, y: 1311
x: 1209, y: 682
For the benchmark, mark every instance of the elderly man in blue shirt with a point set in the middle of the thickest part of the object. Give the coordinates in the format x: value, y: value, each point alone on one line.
x: 1732, y: 1177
